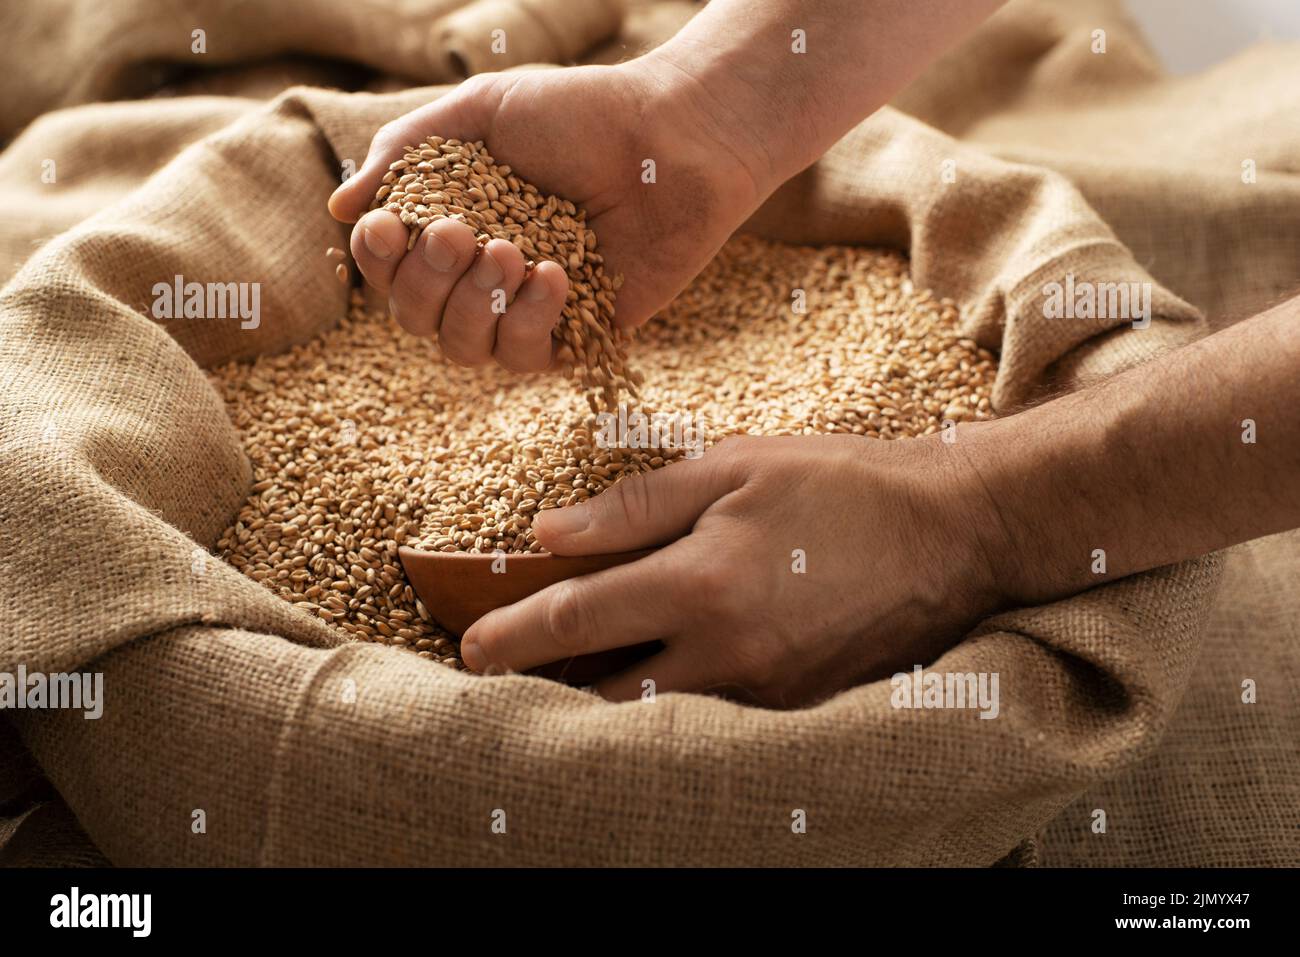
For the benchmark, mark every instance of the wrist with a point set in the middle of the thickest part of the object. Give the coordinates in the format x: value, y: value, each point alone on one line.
x: 694, y: 103
x: 1045, y: 499
x: 983, y: 484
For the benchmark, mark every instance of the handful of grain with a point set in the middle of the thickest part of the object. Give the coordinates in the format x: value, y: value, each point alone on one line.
x: 457, y: 180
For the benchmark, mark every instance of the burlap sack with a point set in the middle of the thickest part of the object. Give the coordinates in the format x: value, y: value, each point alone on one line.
x: 63, y: 53
x: 119, y: 462
x: 489, y: 35
x: 1223, y: 788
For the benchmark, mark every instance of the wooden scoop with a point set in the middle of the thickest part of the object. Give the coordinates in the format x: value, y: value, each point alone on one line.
x: 459, y: 588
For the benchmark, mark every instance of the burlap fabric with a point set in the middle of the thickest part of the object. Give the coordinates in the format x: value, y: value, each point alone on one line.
x: 1165, y: 161
x: 119, y: 462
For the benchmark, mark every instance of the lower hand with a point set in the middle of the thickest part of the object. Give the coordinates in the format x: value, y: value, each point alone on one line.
x: 893, y: 570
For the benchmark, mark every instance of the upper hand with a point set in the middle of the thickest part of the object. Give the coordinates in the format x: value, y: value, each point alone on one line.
x: 585, y: 134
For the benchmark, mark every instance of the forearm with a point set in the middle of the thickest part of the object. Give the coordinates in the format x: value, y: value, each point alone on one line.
x: 739, y: 57
x: 1190, y: 453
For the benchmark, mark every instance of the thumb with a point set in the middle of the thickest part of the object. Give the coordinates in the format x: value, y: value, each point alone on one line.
x: 449, y: 116
x: 639, y: 512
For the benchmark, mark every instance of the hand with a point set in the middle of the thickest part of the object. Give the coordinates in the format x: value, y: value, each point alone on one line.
x: 895, y: 572
x: 582, y: 133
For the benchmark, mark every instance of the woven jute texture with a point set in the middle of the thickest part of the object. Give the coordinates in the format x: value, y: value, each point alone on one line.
x: 120, y: 467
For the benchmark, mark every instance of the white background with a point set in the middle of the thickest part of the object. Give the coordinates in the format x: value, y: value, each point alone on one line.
x: 1192, y: 34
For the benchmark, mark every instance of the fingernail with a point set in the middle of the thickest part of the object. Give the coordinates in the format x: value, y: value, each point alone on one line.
x: 565, y: 521
x: 487, y: 274
x: 536, y: 289
x: 439, y: 253
x: 472, y: 654
x: 377, y: 246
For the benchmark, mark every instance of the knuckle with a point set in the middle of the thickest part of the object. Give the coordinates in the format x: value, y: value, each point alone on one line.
x: 406, y: 321
x: 403, y: 296
x: 724, y: 595
x: 514, y: 368
x: 730, y: 453
x: 750, y: 448
x: 465, y: 360
x: 566, y: 619
x: 460, y: 232
x: 732, y: 445
x: 489, y: 638
x: 373, y: 277
x: 385, y: 141
x: 356, y: 242
x: 455, y: 235
x: 633, y: 500
x: 538, y: 360
x: 456, y: 343
x: 509, y: 362
x: 711, y: 580
x: 456, y: 356
x: 519, y: 357
x: 476, y: 85
x: 754, y: 665
x: 411, y: 318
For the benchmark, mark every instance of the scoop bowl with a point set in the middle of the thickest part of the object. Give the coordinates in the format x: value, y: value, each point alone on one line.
x: 459, y: 588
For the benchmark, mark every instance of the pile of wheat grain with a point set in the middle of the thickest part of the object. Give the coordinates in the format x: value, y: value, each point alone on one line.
x: 363, y: 439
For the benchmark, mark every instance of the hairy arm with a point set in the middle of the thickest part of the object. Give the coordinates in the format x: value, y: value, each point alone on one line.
x: 1193, y: 452
x: 786, y: 97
